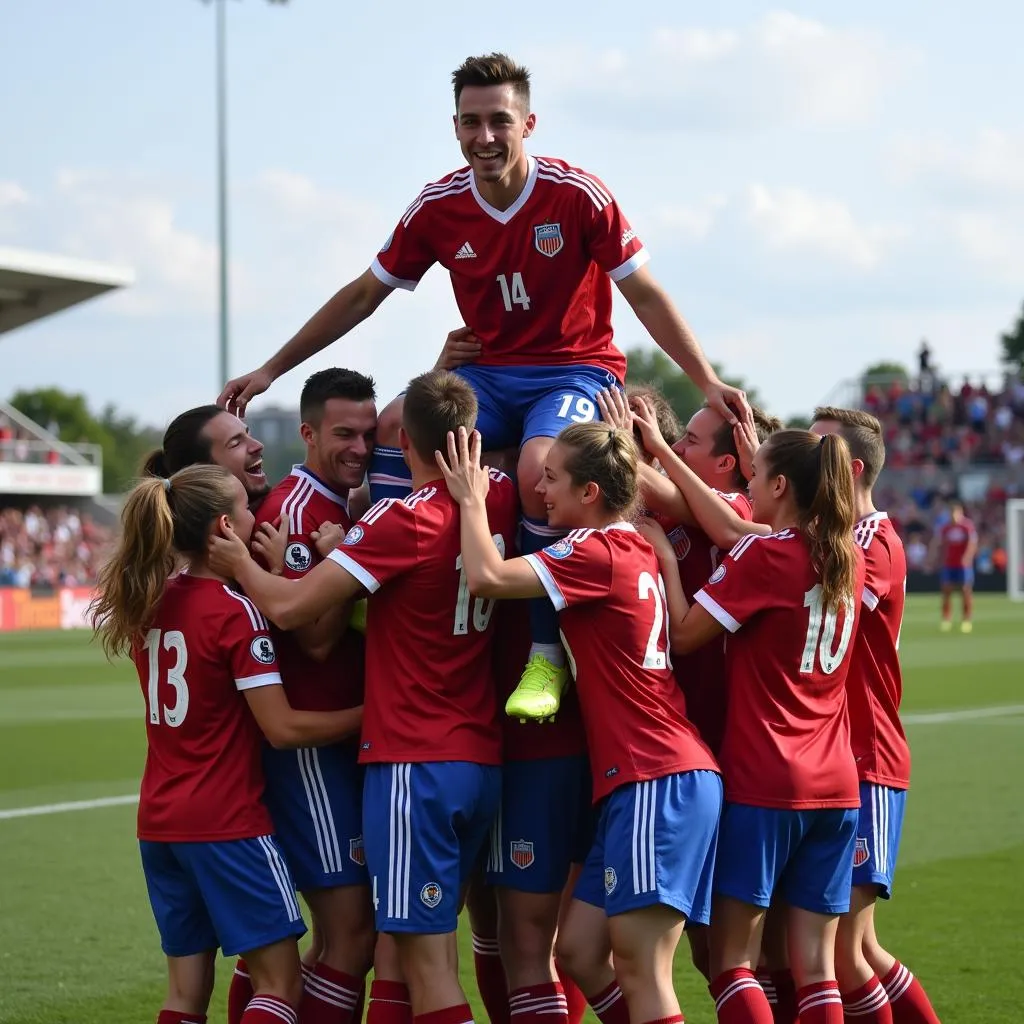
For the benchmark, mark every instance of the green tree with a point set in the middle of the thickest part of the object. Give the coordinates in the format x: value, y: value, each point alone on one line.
x: 885, y: 373
x: 799, y: 422
x: 652, y: 366
x: 1013, y: 345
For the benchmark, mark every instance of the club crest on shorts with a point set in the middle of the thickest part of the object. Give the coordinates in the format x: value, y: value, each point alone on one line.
x: 680, y: 541
x: 262, y: 649
x: 718, y: 575
x: 560, y: 549
x: 354, y: 536
x: 547, y: 239
x: 610, y: 880
x: 356, y: 851
x: 430, y: 895
x: 861, y: 853
x: 521, y: 853
x: 297, y: 557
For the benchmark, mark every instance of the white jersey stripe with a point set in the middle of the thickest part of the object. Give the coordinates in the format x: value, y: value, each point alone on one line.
x: 582, y: 180
x: 458, y: 189
x: 293, y: 504
x: 438, y: 186
x: 317, y: 777
x: 407, y: 834
x: 255, y: 616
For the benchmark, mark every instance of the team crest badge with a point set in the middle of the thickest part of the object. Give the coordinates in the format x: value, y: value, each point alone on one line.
x: 861, y: 853
x: 430, y: 895
x: 262, y: 649
x: 560, y: 549
x: 354, y: 536
x: 610, y: 880
x: 521, y: 854
x: 547, y: 239
x: 356, y: 851
x: 680, y: 541
x: 718, y: 575
x: 297, y: 557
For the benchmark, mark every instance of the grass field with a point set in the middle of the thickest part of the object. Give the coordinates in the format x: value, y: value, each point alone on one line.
x: 77, y: 940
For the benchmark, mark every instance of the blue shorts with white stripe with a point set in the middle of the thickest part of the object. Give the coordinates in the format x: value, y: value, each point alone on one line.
x: 655, y: 844
x: 878, y: 836
x: 315, y: 799
x: 235, y: 894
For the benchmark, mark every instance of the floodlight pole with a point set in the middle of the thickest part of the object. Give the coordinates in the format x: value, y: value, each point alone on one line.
x: 222, y: 190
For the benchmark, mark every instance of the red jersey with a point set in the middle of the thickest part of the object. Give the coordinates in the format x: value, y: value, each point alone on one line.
x: 203, y: 780
x: 533, y: 281
x: 430, y: 693
x: 530, y: 741
x: 701, y: 673
x: 956, y: 538
x: 336, y: 682
x: 874, y: 686
x: 787, y: 730
x: 606, y: 586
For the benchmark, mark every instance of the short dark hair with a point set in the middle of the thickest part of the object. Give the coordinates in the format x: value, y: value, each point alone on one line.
x: 668, y: 422
x: 333, y: 383
x: 184, y: 443
x: 435, y: 403
x: 724, y: 441
x: 492, y: 69
x: 862, y: 433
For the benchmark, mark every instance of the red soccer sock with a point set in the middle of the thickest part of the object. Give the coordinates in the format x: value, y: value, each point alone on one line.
x: 269, y: 1010
x: 330, y: 996
x: 764, y: 979
x: 909, y: 1001
x: 239, y: 992
x: 677, y: 1019
x: 536, y: 1004
x: 389, y: 1003
x: 180, y: 1017
x: 739, y: 998
x: 490, y: 978
x: 784, y: 1007
x: 820, y: 1003
x: 868, y: 1004
x: 460, y: 1014
x: 610, y: 1005
x: 575, y: 1000
x: 357, y: 1013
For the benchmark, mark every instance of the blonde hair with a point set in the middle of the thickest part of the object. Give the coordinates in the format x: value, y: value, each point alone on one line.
x: 161, y: 519
x: 604, y: 455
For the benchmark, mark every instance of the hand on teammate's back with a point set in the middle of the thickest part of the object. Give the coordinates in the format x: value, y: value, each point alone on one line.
x: 460, y: 347
x: 238, y: 393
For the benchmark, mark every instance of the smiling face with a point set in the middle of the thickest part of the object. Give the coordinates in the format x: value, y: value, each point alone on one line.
x: 491, y: 123
x: 339, y: 447
x: 766, y: 492
x: 696, y: 449
x: 232, y: 447
x: 564, y: 501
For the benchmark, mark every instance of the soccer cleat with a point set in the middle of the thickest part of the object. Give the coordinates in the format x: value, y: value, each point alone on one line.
x: 539, y: 693
x: 945, y: 625
x: 357, y: 620
x: 966, y: 627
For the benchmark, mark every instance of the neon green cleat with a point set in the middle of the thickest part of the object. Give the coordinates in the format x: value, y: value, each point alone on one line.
x: 966, y: 626
x: 539, y: 693
x: 357, y: 620
x: 945, y: 625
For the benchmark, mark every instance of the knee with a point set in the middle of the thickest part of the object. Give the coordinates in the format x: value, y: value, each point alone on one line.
x: 389, y: 419
x: 527, y: 940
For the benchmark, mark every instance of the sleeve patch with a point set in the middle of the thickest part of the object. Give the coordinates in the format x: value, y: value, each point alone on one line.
x: 297, y: 557
x: 355, y: 535
x: 560, y: 549
x: 262, y: 649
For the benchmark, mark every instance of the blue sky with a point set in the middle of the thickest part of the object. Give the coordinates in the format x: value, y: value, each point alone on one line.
x: 820, y: 186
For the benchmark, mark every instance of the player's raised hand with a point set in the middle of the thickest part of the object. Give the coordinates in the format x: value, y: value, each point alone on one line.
x: 646, y: 421
x: 614, y: 408
x: 467, y: 480
x: 745, y: 436
x: 460, y: 347
x: 225, y: 551
x: 327, y: 538
x: 729, y: 402
x: 653, y: 533
x: 239, y: 392
x: 270, y: 541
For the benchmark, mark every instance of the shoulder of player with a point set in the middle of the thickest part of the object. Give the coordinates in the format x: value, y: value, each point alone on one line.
x: 560, y: 175
x: 235, y: 609
x: 766, y: 544
x: 452, y: 184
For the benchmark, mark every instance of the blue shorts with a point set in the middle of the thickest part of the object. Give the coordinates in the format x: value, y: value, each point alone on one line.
x: 235, y: 894
x: 957, y: 577
x: 424, y: 826
x: 517, y: 403
x: 655, y: 844
x: 878, y: 836
x: 315, y: 798
x: 805, y: 857
x: 544, y: 824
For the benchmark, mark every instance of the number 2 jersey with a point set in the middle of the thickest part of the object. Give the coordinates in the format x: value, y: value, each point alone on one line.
x: 787, y: 731
x: 607, y: 588
x: 203, y: 780
x: 430, y: 691
x: 533, y: 281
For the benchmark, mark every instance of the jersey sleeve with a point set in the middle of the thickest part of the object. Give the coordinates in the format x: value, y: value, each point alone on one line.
x: 246, y: 636
x: 407, y: 254
x: 877, y: 575
x: 740, y: 587
x: 381, y: 546
x: 503, y: 509
x: 739, y: 503
x: 612, y: 243
x: 573, y: 570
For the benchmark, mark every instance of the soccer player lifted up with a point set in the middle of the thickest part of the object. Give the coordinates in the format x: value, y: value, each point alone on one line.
x: 531, y: 245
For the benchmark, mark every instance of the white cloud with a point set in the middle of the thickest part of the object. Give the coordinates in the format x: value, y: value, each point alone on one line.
x: 12, y: 194
x: 693, y: 221
x: 991, y: 162
x: 992, y: 240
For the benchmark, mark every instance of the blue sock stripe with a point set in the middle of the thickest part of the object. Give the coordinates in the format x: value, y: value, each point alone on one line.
x: 389, y: 476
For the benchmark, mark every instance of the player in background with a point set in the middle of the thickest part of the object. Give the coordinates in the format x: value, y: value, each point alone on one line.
x: 958, y: 542
x: 532, y: 246
x: 314, y: 794
x: 652, y: 860
x: 431, y: 739
x: 210, y: 681
x: 874, y: 689
x: 790, y: 602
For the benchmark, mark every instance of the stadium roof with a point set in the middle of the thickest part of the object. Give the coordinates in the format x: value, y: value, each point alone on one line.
x: 34, y: 285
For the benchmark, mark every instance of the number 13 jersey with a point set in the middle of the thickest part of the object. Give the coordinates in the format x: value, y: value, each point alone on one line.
x: 533, y: 282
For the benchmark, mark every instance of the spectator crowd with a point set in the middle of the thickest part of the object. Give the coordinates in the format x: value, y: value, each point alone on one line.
x: 55, y: 547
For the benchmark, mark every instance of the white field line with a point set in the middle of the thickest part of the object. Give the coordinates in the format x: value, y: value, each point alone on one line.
x: 77, y: 805
x: 961, y: 715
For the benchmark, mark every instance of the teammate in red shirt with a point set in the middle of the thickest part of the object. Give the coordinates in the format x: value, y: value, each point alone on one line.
x: 958, y: 540
x: 532, y: 246
x: 790, y: 601
x: 874, y: 689
x: 209, y: 677
x: 655, y: 784
x: 431, y: 740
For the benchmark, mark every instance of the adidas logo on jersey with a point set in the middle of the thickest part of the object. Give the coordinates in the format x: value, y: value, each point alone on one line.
x: 466, y: 252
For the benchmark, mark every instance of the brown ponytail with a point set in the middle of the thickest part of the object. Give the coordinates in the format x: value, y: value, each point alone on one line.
x: 604, y: 455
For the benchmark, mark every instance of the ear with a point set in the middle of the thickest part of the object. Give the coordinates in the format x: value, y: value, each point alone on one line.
x: 222, y: 525
x: 858, y: 469
x: 779, y: 485
x: 455, y: 123
x: 308, y: 434
x: 727, y: 464
x: 531, y: 124
x: 591, y: 492
x: 403, y: 441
